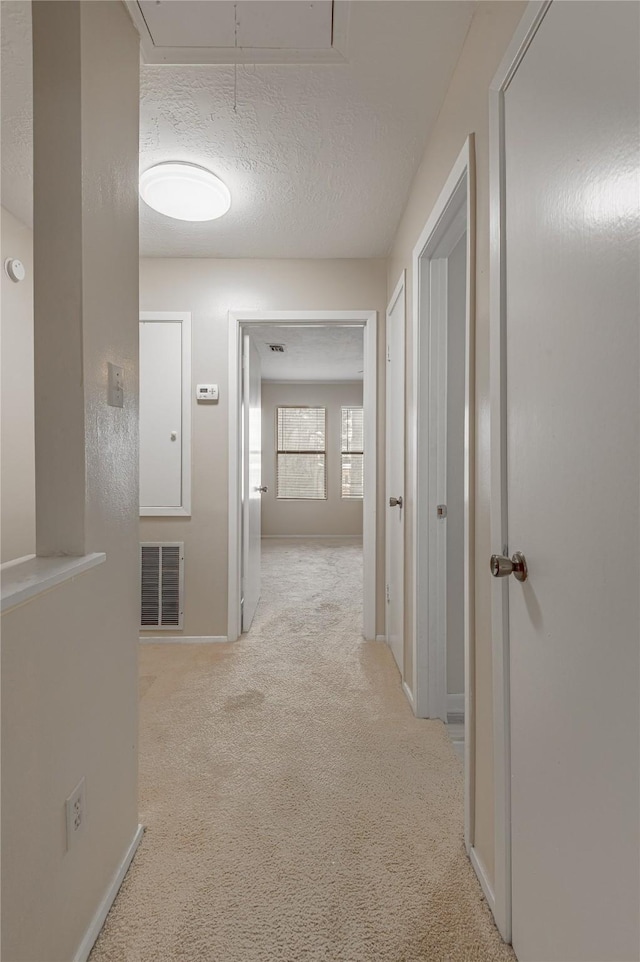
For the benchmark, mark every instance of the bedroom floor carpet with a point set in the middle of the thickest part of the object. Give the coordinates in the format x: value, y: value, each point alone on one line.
x: 295, y: 809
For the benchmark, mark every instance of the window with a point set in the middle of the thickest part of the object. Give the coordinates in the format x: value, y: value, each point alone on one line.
x: 301, y: 453
x: 352, y: 458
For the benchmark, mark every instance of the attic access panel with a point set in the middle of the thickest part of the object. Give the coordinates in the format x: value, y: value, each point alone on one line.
x: 249, y: 31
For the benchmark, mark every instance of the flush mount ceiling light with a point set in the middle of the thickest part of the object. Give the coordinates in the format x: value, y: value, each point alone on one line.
x: 184, y: 191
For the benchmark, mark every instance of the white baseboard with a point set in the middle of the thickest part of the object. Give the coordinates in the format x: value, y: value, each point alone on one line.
x: 99, y: 918
x: 409, y: 695
x: 455, y: 704
x: 381, y: 638
x: 485, y: 884
x: 16, y: 561
x: 312, y: 537
x: 183, y: 639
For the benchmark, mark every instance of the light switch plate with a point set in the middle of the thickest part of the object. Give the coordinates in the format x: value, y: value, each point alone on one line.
x: 115, y: 391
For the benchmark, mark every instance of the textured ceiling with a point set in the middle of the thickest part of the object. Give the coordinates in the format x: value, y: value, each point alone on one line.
x: 319, y: 158
x: 15, y: 109
x: 311, y: 353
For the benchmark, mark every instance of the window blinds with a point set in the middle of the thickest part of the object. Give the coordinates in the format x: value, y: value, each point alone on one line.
x: 352, y: 459
x: 301, y: 453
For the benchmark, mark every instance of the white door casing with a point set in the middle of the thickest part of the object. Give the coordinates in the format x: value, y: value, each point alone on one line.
x: 565, y: 482
x: 251, y: 480
x: 395, y: 460
x: 239, y: 323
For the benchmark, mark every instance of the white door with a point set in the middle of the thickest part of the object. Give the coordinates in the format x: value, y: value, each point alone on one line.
x: 160, y: 414
x: 572, y: 297
x: 251, y: 480
x: 395, y: 476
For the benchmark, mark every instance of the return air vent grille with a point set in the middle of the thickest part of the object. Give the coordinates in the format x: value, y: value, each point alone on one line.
x: 162, y: 585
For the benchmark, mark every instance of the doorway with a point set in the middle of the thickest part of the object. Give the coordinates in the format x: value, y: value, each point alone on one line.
x: 242, y: 324
x: 443, y: 300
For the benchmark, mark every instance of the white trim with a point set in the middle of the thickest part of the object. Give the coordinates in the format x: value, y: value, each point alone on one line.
x: 409, y: 696
x: 183, y: 510
x: 315, y: 382
x: 183, y: 639
x: 523, y: 36
x: 381, y: 638
x: 455, y: 704
x: 313, y: 537
x: 26, y: 580
x: 84, y: 949
x: 429, y: 660
x: 16, y: 561
x: 400, y: 290
x: 152, y: 54
x: 483, y: 878
x: 246, y: 320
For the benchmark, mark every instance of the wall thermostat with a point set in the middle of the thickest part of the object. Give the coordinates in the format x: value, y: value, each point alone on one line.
x: 207, y: 392
x: 15, y: 269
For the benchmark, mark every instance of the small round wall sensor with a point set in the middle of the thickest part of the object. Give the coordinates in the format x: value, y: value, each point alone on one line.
x: 15, y: 269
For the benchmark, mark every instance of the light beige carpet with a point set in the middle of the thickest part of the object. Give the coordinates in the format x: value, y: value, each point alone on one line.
x: 295, y: 810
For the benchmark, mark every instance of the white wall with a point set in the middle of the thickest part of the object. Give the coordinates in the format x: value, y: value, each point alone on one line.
x: 465, y: 110
x: 209, y: 289
x: 456, y: 301
x: 69, y: 656
x: 336, y: 515
x: 18, y: 524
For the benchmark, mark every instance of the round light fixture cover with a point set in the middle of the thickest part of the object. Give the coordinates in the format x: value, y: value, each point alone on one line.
x: 184, y: 191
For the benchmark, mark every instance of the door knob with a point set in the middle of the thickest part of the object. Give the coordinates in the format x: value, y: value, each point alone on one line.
x: 502, y: 567
x: 395, y: 502
x: 262, y: 489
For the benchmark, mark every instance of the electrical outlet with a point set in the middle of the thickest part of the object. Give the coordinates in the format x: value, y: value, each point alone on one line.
x: 76, y: 812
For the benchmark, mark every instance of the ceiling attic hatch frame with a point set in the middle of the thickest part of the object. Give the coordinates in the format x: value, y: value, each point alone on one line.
x: 249, y: 32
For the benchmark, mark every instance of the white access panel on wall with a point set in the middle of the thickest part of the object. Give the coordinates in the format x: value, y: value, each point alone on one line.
x: 165, y: 414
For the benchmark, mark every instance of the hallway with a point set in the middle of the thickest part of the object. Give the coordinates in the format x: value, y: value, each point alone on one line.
x: 294, y: 807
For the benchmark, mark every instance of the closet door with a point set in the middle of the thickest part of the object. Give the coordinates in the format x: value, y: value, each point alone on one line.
x: 164, y: 415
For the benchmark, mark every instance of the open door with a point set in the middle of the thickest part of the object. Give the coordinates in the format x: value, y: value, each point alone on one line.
x: 251, y: 480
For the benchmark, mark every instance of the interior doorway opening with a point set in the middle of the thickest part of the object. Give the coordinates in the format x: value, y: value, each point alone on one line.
x: 302, y: 453
x: 444, y: 271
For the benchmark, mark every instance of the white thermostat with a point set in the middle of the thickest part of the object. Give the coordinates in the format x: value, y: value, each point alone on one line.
x: 207, y: 392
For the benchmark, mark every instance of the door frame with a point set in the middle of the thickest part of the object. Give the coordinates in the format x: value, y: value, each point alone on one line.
x: 429, y: 311
x: 399, y: 291
x: 525, y: 32
x: 241, y: 321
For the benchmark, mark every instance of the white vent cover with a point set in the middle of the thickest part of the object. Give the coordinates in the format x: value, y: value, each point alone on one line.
x: 162, y: 584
